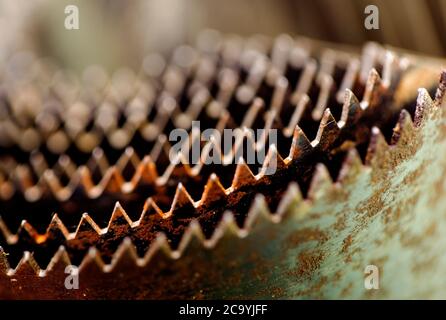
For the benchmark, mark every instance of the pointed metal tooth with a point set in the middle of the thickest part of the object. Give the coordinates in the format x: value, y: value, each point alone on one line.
x: 124, y: 256
x: 4, y: 264
x: 192, y: 235
x: 113, y: 180
x: 150, y: 211
x: 181, y: 198
x: 87, y: 225
x: 328, y: 131
x: 145, y: 172
x: 377, y: 147
x: 351, y: 167
x: 321, y: 182
x: 371, y: 89
x: 258, y: 213
x: 289, y: 202
x: 99, y: 159
x: 9, y: 237
x: 243, y: 175
x: 92, y: 263
x: 273, y: 162
x: 57, y: 228
x: 351, y: 110
x: 299, y: 146
x: 85, y: 179
x: 119, y: 219
x: 58, y: 262
x: 403, y: 129
x: 27, y: 232
x: 27, y: 266
x: 441, y: 91
x: 424, y: 106
x: 213, y: 190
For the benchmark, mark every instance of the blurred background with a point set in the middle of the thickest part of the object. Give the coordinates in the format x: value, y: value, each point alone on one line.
x: 120, y: 33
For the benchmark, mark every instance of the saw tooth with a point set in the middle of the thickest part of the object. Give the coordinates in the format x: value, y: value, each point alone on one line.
x: 404, y: 129
x: 300, y: 145
x: 119, y: 220
x: 258, y: 213
x: 213, y: 190
x: 243, y: 175
x: 424, y: 106
x: 321, y: 182
x: 327, y: 133
x: 372, y: 87
x: 27, y: 267
x: 87, y: 226
x: 378, y: 147
x: 58, y: 262
x: 273, y: 162
x: 181, y: 199
x: 124, y: 257
x: 4, y: 265
x: 56, y: 229
x: 145, y: 173
x: 351, y: 167
x: 351, y: 110
x: 441, y: 90
x: 112, y: 181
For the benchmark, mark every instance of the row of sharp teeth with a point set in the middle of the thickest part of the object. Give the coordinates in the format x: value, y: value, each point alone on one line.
x: 320, y: 180
x: 259, y: 210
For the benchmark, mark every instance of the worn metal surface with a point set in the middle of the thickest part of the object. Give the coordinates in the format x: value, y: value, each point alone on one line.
x: 390, y: 213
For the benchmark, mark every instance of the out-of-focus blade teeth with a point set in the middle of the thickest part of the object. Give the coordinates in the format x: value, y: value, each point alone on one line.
x: 349, y: 79
x: 321, y: 182
x: 441, y: 90
x: 213, y: 190
x: 304, y: 83
x: 351, y: 110
x: 351, y: 167
x: 404, y: 129
x: 58, y: 262
x: 123, y: 256
x: 291, y: 198
x: 243, y: 175
x: 112, y: 181
x: 299, y: 110
x: 321, y: 104
x: 377, y: 149
x: 145, y: 172
x: 27, y: 266
x: 92, y: 262
x: 258, y: 212
x: 300, y: 145
x: 9, y: 237
x: 327, y: 133
x: 371, y: 89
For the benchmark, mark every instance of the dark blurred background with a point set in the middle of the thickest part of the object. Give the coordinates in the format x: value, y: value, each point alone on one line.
x: 119, y: 33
